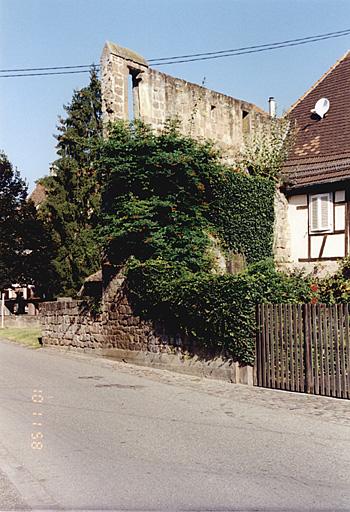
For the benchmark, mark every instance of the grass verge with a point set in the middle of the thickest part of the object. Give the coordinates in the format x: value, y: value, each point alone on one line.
x: 24, y: 335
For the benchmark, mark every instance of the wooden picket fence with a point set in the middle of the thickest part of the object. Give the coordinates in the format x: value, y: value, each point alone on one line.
x: 304, y: 348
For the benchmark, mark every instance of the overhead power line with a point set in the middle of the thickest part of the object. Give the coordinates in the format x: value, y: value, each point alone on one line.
x: 47, y: 68
x: 327, y: 35
x: 179, y: 59
x: 252, y: 49
x: 43, y: 74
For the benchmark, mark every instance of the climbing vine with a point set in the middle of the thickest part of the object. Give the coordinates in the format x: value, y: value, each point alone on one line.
x: 243, y: 213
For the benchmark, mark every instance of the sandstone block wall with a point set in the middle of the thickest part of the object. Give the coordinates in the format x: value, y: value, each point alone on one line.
x: 70, y: 323
x: 66, y: 323
x: 281, y: 244
x: 22, y: 321
x: 157, y: 97
x: 118, y: 333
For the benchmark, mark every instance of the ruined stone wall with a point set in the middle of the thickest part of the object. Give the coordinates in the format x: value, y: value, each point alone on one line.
x: 281, y: 245
x: 157, y: 97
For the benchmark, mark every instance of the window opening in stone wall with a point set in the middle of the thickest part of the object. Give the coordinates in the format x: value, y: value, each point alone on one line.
x: 133, y: 82
x: 245, y: 122
x: 131, y: 112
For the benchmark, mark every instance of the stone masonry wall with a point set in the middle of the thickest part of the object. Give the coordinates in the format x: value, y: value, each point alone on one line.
x: 281, y: 244
x: 118, y: 333
x: 70, y: 323
x: 158, y: 97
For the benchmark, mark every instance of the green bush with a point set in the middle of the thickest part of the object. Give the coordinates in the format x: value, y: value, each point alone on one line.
x: 334, y: 289
x: 216, y: 312
x: 157, y: 192
x: 274, y: 287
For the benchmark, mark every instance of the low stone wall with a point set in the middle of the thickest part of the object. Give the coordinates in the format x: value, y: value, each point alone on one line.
x: 69, y: 323
x: 182, y: 362
x: 22, y: 321
x: 118, y: 333
x: 66, y: 323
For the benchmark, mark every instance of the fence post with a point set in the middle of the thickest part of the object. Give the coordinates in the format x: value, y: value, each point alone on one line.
x: 2, y: 309
x: 307, y: 349
x: 257, y: 345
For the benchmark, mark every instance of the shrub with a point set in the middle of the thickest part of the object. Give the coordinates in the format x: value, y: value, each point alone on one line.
x: 216, y: 312
x: 335, y: 289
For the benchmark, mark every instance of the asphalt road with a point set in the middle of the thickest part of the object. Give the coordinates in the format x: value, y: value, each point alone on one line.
x: 112, y: 436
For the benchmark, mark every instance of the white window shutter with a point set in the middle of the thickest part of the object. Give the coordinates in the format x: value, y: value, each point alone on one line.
x: 325, y: 212
x: 321, y: 212
x: 314, y: 214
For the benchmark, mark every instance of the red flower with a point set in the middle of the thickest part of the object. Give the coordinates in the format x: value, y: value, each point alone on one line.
x: 314, y: 287
x: 314, y: 300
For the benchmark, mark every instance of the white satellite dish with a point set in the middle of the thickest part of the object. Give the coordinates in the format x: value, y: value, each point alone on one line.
x: 321, y: 107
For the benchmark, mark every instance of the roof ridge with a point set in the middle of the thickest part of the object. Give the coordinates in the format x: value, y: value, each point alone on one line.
x: 336, y: 64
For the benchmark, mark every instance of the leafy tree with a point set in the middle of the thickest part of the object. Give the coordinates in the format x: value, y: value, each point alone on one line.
x: 266, y: 149
x: 169, y: 196
x: 166, y: 197
x: 25, y: 244
x: 73, y: 193
x: 156, y: 195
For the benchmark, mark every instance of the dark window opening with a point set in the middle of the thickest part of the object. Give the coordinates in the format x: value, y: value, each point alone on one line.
x: 133, y: 97
x: 245, y: 122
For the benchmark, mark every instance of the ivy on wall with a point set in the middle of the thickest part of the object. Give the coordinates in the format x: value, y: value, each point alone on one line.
x: 243, y: 212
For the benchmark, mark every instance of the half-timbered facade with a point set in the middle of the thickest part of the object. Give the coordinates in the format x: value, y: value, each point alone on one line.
x: 317, y: 172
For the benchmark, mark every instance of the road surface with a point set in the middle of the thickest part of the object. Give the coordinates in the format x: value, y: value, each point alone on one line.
x: 82, y: 433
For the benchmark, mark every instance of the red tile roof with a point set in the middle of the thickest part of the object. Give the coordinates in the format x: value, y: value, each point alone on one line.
x: 321, y: 151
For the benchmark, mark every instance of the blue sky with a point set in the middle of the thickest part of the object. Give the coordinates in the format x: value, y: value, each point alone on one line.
x: 38, y: 33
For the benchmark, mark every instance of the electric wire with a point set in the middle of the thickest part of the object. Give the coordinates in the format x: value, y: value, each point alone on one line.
x: 180, y: 59
x: 47, y: 68
x: 246, y: 52
x: 43, y: 74
x: 338, y: 33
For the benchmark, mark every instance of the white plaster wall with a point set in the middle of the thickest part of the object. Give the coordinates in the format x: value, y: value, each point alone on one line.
x: 315, y: 245
x: 334, y: 247
x: 339, y: 216
x: 339, y: 196
x: 298, y: 222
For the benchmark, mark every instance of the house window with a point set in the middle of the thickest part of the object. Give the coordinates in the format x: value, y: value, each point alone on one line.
x: 321, y: 213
